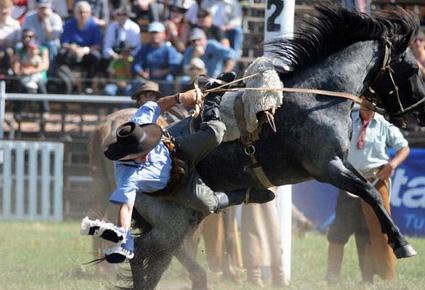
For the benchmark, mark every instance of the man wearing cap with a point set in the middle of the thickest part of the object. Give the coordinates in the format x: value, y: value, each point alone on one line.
x: 46, y: 25
x: 143, y: 164
x: 148, y: 91
x: 217, y: 57
x: 156, y: 60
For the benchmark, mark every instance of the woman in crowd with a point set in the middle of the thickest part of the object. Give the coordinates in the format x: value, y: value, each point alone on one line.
x: 31, y: 63
x: 10, y: 33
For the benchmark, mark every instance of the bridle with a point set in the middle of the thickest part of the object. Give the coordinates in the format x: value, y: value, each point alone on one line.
x: 371, y: 95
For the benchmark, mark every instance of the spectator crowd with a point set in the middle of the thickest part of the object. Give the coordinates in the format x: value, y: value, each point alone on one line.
x: 45, y: 44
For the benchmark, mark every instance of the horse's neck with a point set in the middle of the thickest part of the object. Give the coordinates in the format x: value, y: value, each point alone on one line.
x: 347, y: 71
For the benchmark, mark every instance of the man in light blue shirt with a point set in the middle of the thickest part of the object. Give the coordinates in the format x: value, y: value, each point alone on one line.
x: 47, y: 26
x: 381, y: 135
x: 372, y: 137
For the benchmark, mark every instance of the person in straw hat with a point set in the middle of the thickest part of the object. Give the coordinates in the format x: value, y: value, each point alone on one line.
x: 144, y: 163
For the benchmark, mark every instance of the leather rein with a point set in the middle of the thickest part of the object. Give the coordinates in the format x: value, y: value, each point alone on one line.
x: 386, y: 68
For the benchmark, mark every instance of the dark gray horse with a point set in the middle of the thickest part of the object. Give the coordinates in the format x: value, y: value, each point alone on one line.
x: 336, y: 50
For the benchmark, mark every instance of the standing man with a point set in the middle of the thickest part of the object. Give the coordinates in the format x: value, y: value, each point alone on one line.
x: 371, y: 139
x: 46, y: 25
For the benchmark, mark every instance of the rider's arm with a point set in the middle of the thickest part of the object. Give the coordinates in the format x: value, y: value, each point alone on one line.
x: 187, y: 99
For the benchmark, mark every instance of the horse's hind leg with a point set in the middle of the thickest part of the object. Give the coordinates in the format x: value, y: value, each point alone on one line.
x: 343, y: 178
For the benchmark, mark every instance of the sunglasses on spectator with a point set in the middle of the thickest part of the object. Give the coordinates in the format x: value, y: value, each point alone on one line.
x: 177, y: 10
x: 83, y: 12
x: 29, y: 36
x: 195, y: 40
x: 121, y: 14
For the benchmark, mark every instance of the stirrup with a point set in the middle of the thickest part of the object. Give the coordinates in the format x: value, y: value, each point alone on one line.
x: 107, y: 231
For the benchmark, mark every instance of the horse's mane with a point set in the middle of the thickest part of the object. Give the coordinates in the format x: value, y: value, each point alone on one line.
x: 331, y: 28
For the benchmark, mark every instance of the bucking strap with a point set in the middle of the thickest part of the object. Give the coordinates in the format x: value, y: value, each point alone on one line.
x: 254, y: 168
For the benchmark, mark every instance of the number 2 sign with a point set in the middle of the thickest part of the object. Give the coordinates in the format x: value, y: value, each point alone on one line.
x: 279, y: 19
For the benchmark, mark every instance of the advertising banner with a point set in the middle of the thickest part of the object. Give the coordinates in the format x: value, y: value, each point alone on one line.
x: 317, y: 200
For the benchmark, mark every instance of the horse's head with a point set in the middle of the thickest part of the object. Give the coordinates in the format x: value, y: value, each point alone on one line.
x: 400, y: 89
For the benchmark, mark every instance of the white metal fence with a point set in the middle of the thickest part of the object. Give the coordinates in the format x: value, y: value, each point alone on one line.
x: 31, y: 178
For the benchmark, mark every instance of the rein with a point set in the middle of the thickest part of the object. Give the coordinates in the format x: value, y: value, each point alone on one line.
x: 367, y: 103
x: 386, y: 68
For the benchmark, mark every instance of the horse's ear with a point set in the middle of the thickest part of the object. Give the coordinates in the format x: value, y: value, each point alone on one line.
x: 281, y: 66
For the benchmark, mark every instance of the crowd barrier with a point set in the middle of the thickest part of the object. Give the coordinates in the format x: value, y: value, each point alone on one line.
x: 31, y: 180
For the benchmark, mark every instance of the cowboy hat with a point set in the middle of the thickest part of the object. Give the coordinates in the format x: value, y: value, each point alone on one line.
x: 124, y: 9
x: 133, y: 139
x: 147, y: 86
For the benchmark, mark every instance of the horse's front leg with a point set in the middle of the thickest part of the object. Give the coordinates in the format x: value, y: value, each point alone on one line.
x: 340, y: 176
x: 197, y: 274
x: 150, y: 262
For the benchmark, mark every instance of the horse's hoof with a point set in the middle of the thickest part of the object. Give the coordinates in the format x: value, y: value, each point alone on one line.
x: 405, y: 252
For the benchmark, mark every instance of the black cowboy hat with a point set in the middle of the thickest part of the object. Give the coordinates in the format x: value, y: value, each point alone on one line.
x: 132, y: 138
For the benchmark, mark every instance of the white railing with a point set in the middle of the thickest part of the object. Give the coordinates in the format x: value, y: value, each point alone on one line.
x: 54, y: 98
x: 31, y: 179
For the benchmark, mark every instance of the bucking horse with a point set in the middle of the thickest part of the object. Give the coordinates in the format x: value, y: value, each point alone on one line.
x: 333, y: 50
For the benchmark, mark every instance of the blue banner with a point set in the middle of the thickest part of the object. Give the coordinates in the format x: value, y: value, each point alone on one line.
x: 317, y: 200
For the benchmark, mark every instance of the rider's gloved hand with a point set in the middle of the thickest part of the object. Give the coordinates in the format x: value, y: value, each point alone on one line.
x: 213, y: 99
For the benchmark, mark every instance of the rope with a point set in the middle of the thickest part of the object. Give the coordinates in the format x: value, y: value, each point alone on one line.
x: 349, y: 96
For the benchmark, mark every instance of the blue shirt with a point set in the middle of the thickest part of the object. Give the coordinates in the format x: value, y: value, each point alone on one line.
x: 33, y: 22
x: 90, y: 35
x: 380, y: 136
x: 151, y: 58
x: 149, y: 176
x: 214, y: 57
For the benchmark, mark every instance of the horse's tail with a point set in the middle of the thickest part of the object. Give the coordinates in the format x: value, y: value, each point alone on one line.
x: 101, y: 171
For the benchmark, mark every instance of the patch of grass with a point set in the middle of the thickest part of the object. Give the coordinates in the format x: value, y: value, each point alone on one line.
x: 50, y: 255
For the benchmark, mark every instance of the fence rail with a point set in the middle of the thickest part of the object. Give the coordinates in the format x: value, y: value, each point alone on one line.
x: 31, y: 180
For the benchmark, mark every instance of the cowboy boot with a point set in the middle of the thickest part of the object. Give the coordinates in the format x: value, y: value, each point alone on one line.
x: 250, y: 196
x: 254, y: 276
x: 277, y: 275
x: 225, y: 200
